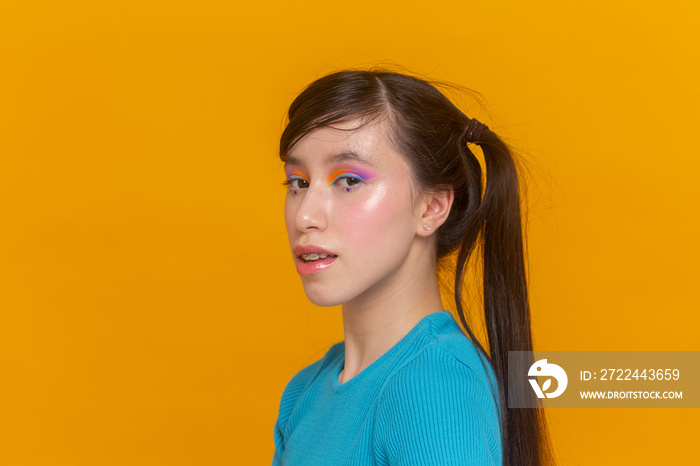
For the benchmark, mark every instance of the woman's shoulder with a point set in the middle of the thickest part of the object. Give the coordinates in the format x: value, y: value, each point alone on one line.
x: 444, y: 362
x: 443, y: 401
x: 448, y: 352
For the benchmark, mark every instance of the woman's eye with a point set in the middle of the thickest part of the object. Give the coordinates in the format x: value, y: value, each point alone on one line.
x: 348, y: 181
x: 296, y: 183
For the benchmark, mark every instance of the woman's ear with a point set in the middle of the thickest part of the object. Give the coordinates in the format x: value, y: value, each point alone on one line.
x: 437, y: 207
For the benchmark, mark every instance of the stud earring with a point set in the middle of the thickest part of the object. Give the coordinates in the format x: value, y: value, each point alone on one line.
x: 426, y: 226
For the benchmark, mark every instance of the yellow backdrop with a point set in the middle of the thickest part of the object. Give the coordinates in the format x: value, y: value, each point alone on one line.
x: 149, y: 310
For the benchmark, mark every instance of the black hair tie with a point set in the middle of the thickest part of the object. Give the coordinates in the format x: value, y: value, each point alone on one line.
x: 474, y: 130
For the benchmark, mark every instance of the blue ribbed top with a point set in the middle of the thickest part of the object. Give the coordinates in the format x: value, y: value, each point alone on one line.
x: 426, y: 401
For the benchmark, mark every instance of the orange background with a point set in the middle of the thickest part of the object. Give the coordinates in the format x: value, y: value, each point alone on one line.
x: 149, y: 310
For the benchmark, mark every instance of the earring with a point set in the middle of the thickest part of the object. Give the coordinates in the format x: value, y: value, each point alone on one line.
x: 426, y: 226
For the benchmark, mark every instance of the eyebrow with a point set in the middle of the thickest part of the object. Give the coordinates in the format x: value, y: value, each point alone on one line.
x: 333, y: 159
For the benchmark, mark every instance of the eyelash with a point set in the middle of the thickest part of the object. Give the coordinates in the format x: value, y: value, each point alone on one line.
x: 289, y: 182
x: 349, y: 177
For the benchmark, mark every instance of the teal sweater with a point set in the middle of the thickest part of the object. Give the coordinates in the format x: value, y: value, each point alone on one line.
x: 426, y: 401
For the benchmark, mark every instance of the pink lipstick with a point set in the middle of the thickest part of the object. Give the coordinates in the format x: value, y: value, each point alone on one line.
x: 312, y: 259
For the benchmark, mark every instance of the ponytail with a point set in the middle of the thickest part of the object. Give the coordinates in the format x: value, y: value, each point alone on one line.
x: 497, y: 223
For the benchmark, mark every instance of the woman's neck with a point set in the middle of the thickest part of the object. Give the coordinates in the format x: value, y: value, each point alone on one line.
x: 376, y: 321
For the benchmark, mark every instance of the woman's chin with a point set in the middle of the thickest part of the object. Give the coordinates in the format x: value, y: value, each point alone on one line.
x: 323, y: 297
x: 323, y: 301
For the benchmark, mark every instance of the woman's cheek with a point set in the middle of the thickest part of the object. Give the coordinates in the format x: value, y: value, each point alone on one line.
x: 289, y: 212
x: 365, y: 212
x: 383, y: 212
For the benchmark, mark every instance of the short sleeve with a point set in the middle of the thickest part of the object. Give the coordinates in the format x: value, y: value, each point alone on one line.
x: 438, y: 410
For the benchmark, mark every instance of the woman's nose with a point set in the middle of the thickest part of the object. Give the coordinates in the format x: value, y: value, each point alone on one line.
x: 313, y: 210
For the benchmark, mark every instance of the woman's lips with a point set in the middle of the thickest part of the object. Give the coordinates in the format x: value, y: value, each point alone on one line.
x: 309, y: 260
x: 308, y: 268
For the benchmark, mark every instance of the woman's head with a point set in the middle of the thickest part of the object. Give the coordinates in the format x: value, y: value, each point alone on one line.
x: 351, y: 198
x: 421, y: 124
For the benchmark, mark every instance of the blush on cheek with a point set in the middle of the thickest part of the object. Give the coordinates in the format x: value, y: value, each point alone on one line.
x: 383, y: 217
x: 386, y: 205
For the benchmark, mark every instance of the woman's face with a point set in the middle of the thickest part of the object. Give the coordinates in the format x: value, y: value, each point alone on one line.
x: 351, y: 212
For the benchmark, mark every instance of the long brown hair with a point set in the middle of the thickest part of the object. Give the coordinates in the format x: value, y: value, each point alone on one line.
x: 431, y: 132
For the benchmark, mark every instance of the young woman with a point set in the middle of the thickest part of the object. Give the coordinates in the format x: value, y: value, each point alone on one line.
x: 382, y: 185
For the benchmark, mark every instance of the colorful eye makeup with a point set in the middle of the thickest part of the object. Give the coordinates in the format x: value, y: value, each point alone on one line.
x: 358, y: 173
x: 295, y: 174
x: 298, y: 180
x: 347, y: 179
x: 295, y: 180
